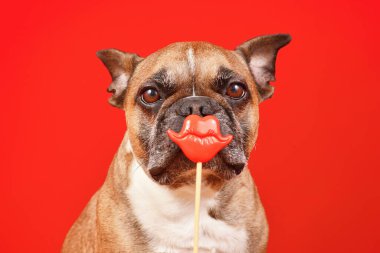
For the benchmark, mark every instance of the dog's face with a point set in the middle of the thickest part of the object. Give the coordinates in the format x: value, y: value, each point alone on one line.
x: 160, y: 91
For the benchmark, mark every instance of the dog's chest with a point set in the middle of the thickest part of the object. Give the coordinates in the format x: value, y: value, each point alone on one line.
x: 167, y: 218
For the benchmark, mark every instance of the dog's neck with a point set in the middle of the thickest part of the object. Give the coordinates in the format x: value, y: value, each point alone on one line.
x: 118, y: 177
x: 166, y: 215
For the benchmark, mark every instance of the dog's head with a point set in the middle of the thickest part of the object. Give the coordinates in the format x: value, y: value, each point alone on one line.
x: 160, y: 91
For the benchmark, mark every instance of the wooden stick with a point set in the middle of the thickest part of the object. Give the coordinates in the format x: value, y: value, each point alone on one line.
x: 198, y: 181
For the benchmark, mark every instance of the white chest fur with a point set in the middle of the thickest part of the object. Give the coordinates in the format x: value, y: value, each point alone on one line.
x: 167, y: 217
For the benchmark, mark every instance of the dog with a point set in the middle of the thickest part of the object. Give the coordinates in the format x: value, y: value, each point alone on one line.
x: 146, y: 203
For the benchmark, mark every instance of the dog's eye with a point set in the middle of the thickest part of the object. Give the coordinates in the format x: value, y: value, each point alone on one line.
x: 235, y: 90
x: 150, y: 96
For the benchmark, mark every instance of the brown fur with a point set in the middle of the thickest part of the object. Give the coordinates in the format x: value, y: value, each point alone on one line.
x: 108, y: 223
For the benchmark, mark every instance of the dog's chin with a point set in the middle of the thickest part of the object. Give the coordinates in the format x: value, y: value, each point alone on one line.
x: 180, y: 172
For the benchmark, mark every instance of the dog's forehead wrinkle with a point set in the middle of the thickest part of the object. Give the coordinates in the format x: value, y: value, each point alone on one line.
x: 191, y: 62
x: 192, y: 66
x: 225, y: 74
x: 162, y: 77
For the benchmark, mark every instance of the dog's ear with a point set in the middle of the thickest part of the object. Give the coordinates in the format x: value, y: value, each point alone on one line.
x: 260, y: 54
x: 121, y: 66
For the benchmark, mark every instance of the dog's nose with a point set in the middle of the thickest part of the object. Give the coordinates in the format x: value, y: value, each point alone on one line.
x: 199, y: 105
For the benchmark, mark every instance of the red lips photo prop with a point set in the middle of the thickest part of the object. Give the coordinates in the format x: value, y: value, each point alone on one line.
x: 200, y: 138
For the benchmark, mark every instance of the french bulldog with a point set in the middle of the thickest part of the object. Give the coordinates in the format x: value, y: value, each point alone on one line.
x: 146, y: 203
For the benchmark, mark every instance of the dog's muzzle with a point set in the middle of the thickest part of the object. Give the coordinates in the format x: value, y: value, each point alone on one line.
x: 163, y: 151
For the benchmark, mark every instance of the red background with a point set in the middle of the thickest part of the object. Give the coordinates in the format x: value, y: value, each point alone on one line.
x: 316, y: 162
